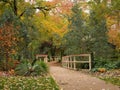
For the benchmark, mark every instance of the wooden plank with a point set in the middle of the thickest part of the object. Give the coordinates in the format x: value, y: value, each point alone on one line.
x: 77, y: 61
x: 39, y: 55
x: 81, y: 61
x: 77, y: 55
x: 80, y: 55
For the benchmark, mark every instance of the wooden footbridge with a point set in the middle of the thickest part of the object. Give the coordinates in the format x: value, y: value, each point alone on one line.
x: 70, y: 61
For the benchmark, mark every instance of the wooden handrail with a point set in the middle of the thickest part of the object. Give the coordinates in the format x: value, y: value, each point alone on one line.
x: 70, y: 60
x: 42, y: 56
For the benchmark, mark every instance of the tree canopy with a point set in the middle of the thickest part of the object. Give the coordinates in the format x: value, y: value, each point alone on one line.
x: 58, y: 27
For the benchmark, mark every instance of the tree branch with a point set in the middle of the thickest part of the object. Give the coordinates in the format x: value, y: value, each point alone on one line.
x: 22, y: 13
x: 43, y: 9
x: 15, y: 7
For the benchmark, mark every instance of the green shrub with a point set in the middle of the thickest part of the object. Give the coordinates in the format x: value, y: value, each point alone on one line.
x: 94, y: 69
x: 99, y: 63
x: 26, y: 68
x: 2, y: 65
x: 41, y: 68
x: 108, y: 64
x: 82, y: 65
x: 5, y: 66
x: 117, y: 64
x: 22, y: 68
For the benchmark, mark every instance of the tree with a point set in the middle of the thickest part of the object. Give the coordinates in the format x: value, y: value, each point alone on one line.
x: 78, y: 35
x: 99, y: 30
x: 113, y: 20
x: 51, y: 33
x: 19, y: 11
x: 8, y: 39
x: 89, y: 35
x: 20, y: 19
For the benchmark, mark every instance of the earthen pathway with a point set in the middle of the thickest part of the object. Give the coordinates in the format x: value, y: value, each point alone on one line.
x: 74, y: 80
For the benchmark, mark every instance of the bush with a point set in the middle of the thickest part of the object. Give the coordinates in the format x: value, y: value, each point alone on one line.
x: 26, y: 68
x: 117, y: 64
x: 22, y: 68
x: 107, y: 64
x: 82, y: 66
x: 5, y: 66
x: 41, y: 68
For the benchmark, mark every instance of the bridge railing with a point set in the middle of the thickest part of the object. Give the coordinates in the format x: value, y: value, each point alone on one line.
x: 71, y: 61
x: 42, y: 57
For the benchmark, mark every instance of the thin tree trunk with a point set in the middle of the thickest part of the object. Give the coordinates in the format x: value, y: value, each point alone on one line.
x: 15, y: 7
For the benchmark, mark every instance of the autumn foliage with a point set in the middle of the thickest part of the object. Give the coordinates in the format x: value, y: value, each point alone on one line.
x: 7, y: 42
x: 114, y: 38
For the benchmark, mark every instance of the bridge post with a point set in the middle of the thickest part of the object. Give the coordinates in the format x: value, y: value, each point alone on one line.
x: 70, y: 62
x: 64, y: 62
x: 90, y: 66
x: 45, y: 59
x: 67, y: 58
x: 74, y: 64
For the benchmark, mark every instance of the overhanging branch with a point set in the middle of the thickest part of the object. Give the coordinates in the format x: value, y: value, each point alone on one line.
x: 42, y: 9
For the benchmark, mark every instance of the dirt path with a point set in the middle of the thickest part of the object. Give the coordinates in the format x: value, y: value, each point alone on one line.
x: 74, y: 80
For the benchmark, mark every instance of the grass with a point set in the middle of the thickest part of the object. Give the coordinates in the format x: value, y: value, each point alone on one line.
x: 113, y: 80
x: 28, y: 83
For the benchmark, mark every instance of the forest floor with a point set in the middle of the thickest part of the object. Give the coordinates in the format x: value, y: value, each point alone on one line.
x: 78, y: 80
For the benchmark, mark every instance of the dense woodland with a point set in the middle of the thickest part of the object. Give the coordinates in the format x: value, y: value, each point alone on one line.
x: 58, y: 28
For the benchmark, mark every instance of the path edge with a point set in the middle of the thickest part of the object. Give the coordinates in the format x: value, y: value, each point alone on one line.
x: 56, y: 82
